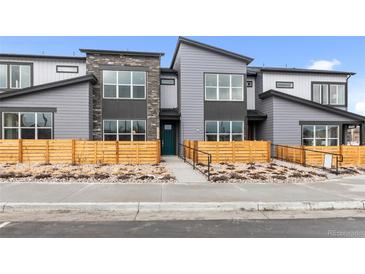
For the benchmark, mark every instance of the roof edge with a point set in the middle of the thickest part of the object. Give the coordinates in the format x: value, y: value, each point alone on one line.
x: 300, y: 70
x: 296, y: 99
x: 85, y: 78
x: 121, y: 52
x: 39, y: 56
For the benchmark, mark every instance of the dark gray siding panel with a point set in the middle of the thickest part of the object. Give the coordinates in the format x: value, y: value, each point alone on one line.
x: 193, y: 63
x: 72, y: 103
x: 288, y: 114
x: 124, y: 109
x: 224, y: 111
x: 264, y: 130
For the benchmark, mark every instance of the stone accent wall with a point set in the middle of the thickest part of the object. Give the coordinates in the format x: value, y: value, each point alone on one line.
x: 95, y: 63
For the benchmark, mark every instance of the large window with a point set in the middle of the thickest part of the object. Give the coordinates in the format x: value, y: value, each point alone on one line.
x: 320, y: 135
x: 223, y: 87
x: 124, y: 84
x: 27, y: 125
x: 124, y: 130
x: 329, y: 94
x: 224, y: 130
x: 15, y: 76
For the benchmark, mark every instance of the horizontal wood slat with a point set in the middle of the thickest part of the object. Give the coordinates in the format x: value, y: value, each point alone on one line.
x: 79, y: 152
x: 230, y: 152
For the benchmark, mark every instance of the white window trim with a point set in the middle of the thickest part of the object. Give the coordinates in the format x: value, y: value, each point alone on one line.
x: 20, y: 76
x: 327, y: 137
x: 224, y: 133
x: 6, y: 76
x: 230, y: 87
x: 131, y: 85
x: 130, y: 134
x: 19, y: 127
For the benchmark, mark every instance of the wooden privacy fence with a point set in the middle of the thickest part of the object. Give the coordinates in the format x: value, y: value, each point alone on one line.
x: 352, y: 155
x: 230, y: 152
x: 79, y: 152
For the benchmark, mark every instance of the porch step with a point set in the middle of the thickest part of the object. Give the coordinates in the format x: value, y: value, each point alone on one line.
x: 183, y: 172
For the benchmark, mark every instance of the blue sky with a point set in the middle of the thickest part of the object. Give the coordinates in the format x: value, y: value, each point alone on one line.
x: 338, y: 53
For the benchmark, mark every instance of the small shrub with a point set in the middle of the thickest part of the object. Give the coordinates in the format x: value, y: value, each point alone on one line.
x: 124, y: 177
x: 278, y: 177
x: 257, y: 177
x: 101, y: 176
x: 219, y: 178
x: 167, y: 177
x: 230, y: 167
x: 237, y: 176
x: 145, y: 177
x: 7, y: 175
x: 42, y: 176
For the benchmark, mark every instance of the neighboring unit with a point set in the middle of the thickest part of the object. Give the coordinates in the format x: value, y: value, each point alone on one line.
x: 207, y: 94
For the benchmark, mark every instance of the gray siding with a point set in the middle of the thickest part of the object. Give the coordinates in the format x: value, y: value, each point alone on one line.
x: 192, y: 63
x: 72, y: 118
x: 168, y: 93
x: 264, y: 129
x: 286, y: 116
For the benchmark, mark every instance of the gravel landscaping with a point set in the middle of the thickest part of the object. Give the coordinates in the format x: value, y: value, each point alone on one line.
x: 98, y: 173
x: 274, y: 172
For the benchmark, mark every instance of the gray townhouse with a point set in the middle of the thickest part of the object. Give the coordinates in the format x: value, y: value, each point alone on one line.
x: 207, y: 93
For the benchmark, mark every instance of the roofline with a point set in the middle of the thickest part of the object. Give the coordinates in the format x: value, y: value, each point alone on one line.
x: 39, y: 56
x: 85, y: 78
x: 301, y: 70
x: 210, y: 48
x: 168, y: 70
x: 121, y: 52
x: 296, y: 99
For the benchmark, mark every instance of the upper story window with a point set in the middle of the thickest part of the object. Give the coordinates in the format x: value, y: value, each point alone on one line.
x: 15, y: 76
x: 249, y: 84
x: 67, y: 69
x: 281, y: 84
x: 223, y: 87
x: 167, y: 81
x: 124, y: 84
x: 329, y: 93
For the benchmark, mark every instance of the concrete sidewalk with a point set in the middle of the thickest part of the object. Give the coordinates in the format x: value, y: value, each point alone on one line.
x: 345, y: 193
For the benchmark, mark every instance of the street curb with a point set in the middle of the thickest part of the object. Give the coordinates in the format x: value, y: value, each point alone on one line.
x: 188, y: 206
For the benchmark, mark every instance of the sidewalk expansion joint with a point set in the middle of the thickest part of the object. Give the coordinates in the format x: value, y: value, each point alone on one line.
x: 135, y: 217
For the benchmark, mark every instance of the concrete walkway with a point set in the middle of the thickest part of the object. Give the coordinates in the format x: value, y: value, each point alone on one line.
x: 184, y: 173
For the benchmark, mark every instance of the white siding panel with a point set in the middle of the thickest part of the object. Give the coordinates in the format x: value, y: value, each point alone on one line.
x: 193, y: 63
x: 72, y: 118
x: 169, y: 93
x: 251, y: 94
x: 44, y: 70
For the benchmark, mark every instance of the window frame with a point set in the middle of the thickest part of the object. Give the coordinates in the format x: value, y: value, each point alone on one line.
x: 131, y: 85
x: 131, y: 134
x: 286, y: 82
x: 19, y: 127
x: 345, y: 84
x: 327, y: 138
x: 230, y: 130
x: 169, y: 79
x: 67, y: 66
x: 230, y: 87
x: 249, y: 83
x: 8, y: 74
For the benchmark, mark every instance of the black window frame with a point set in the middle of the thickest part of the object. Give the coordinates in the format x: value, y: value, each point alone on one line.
x: 169, y: 79
x: 328, y: 90
x: 249, y: 84
x: 8, y: 72
x: 278, y: 82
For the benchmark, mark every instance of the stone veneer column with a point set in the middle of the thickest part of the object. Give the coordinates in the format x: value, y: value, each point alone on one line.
x: 95, y: 63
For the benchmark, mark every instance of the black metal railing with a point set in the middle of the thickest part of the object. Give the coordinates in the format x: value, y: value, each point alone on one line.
x: 194, y: 160
x: 303, y: 154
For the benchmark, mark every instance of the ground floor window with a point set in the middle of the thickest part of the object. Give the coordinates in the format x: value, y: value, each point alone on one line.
x: 27, y: 125
x: 124, y: 130
x: 320, y: 135
x: 224, y: 130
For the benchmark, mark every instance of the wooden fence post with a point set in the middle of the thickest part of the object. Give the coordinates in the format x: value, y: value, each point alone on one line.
x: 20, y: 151
x: 96, y: 152
x: 268, y: 152
x: 158, y: 143
x: 137, y: 149
x: 196, y: 153
x: 116, y: 152
x: 233, y: 152
x: 47, y: 152
x: 73, y: 160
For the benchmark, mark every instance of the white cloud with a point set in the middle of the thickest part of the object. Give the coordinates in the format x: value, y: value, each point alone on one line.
x: 360, y: 107
x: 324, y: 64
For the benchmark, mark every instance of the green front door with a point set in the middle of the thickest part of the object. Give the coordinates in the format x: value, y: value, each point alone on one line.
x: 168, y: 139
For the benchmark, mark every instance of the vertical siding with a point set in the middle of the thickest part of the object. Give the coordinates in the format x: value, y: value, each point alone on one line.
x: 302, y: 82
x: 264, y: 129
x: 72, y: 119
x: 251, y: 94
x: 168, y: 93
x: 193, y: 62
x: 44, y: 70
x: 287, y: 114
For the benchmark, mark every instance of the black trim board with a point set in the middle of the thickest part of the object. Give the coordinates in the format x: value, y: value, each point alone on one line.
x: 299, y: 100
x: 298, y: 70
x: 223, y: 52
x: 38, y: 56
x: 86, y: 78
x: 121, y: 52
x: 27, y: 109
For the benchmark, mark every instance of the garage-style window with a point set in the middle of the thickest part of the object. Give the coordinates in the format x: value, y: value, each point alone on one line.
x: 224, y: 131
x: 124, y: 84
x: 320, y: 135
x: 27, y: 125
x: 223, y: 87
x: 124, y: 130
